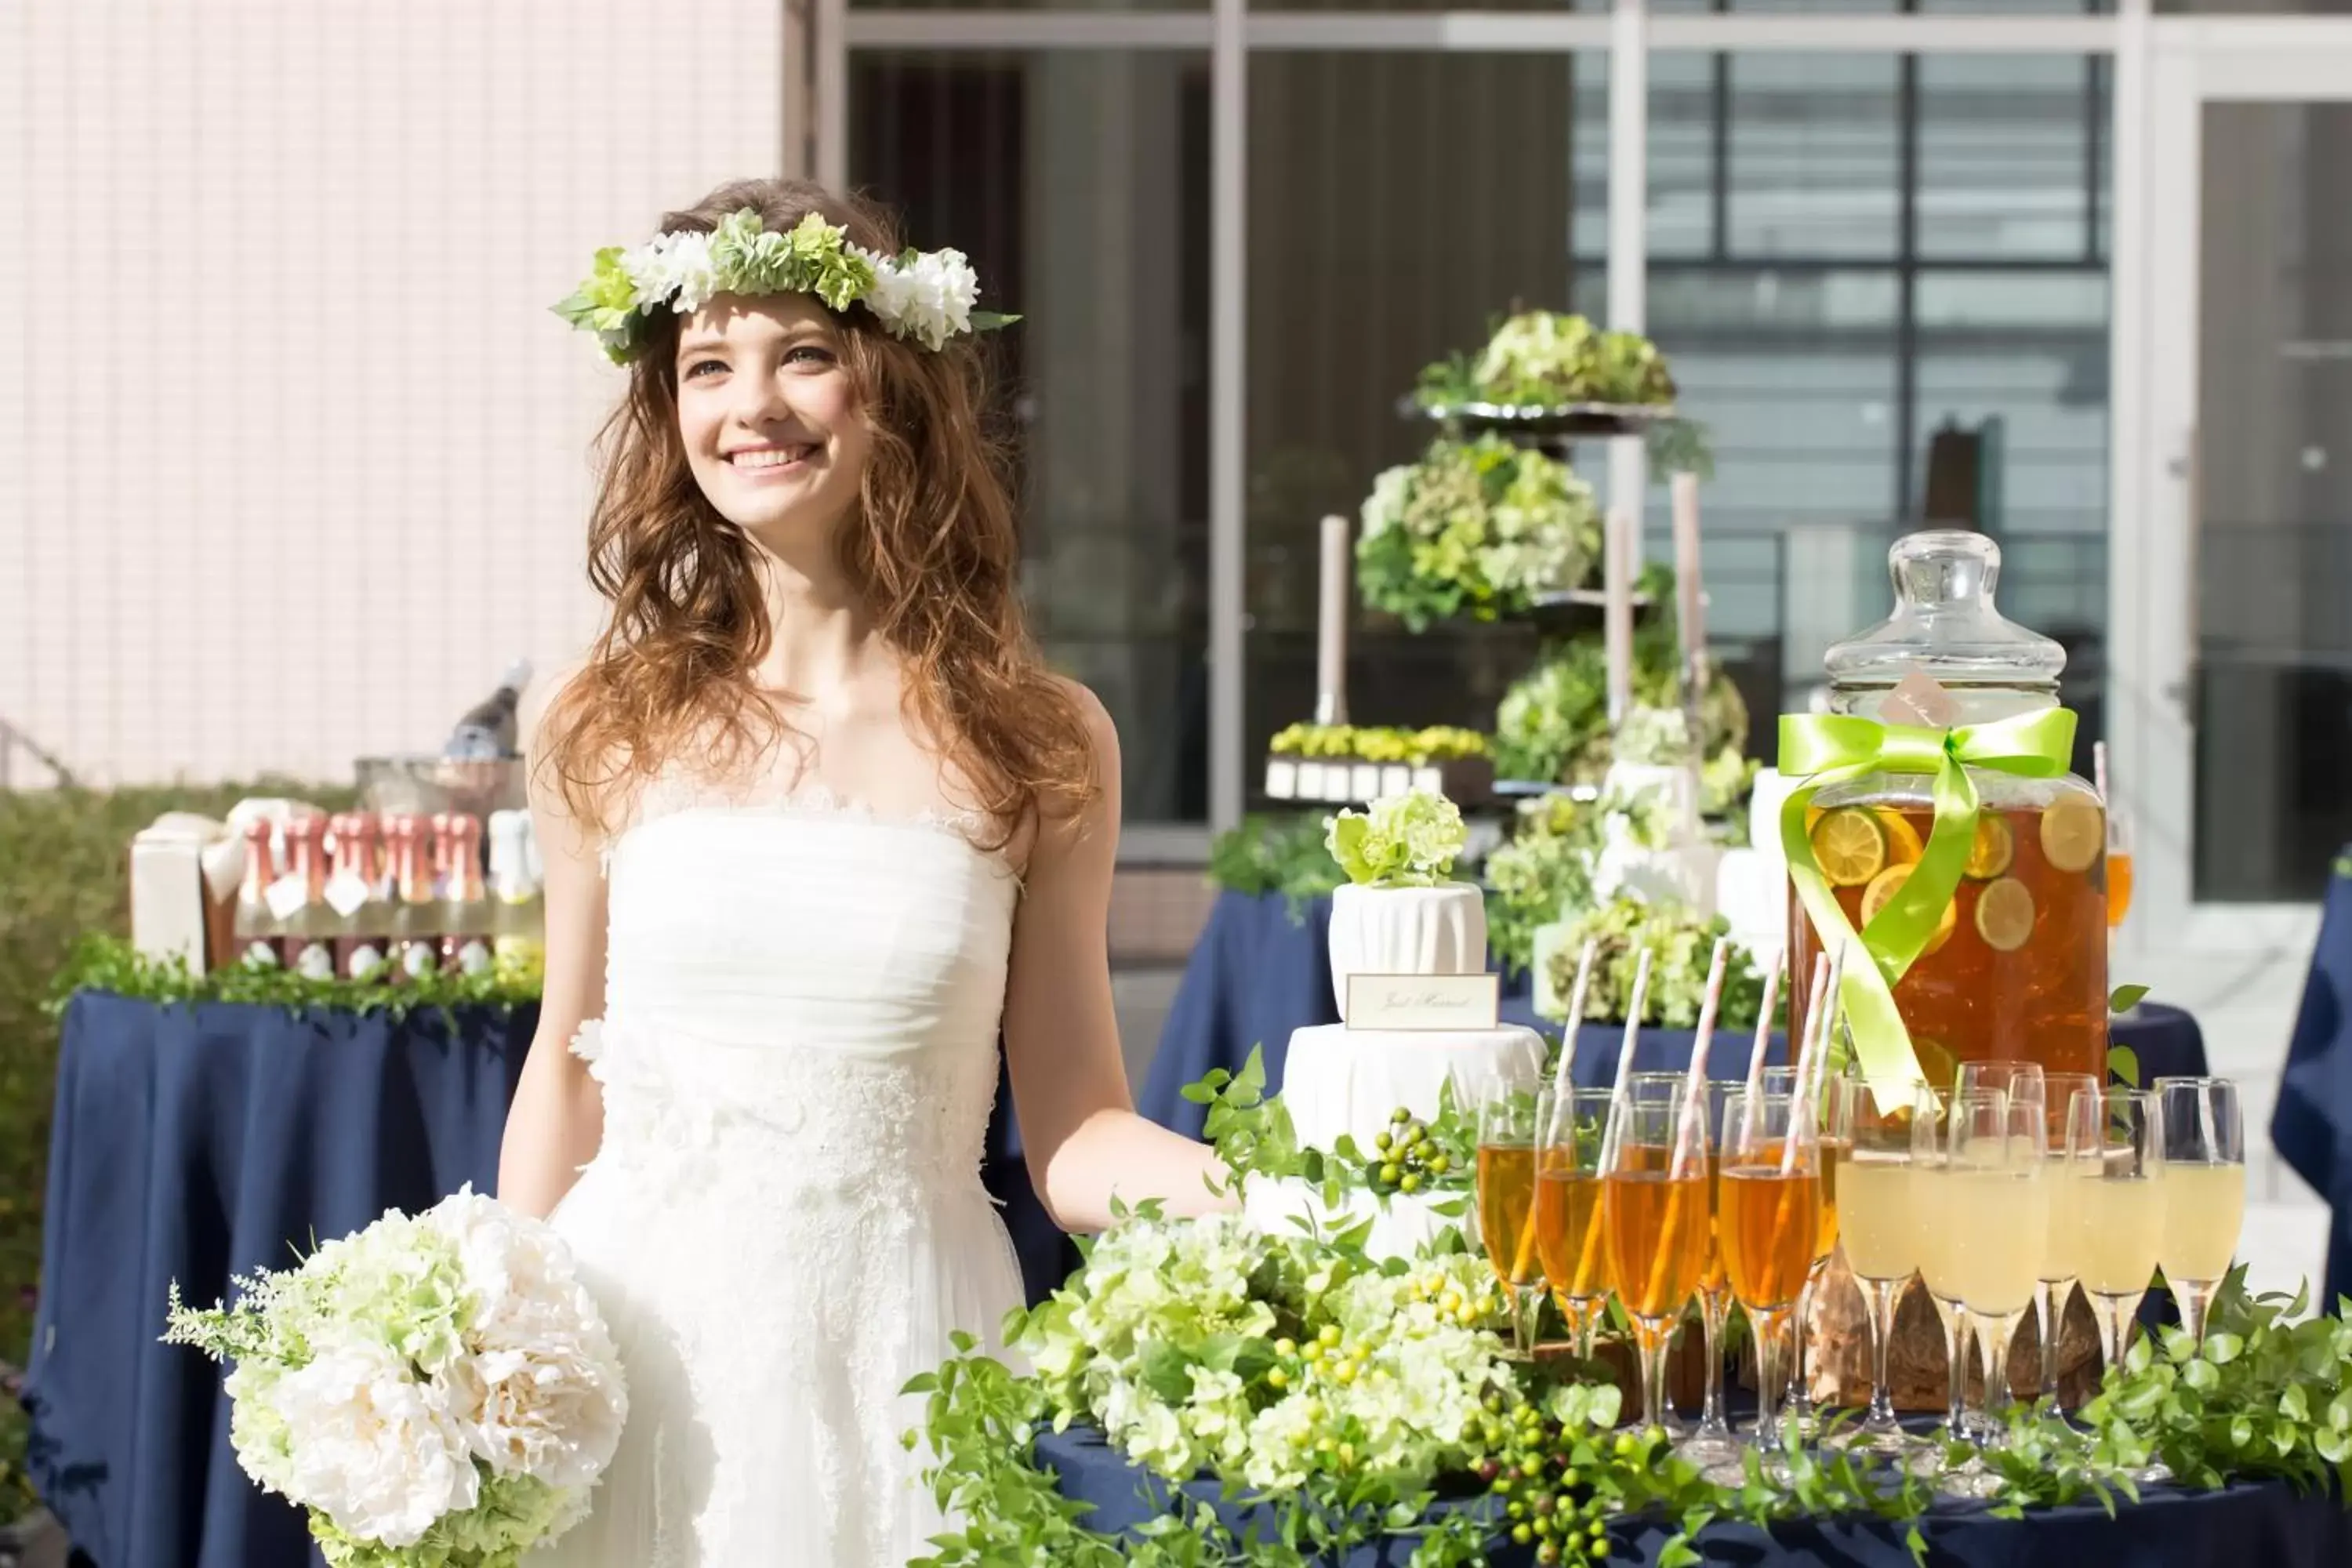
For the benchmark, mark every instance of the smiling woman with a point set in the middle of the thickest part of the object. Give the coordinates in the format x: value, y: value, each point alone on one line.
x: 770, y: 1035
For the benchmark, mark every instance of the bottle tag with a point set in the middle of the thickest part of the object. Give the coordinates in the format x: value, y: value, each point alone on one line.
x: 346, y: 891
x: 1920, y: 699
x: 285, y: 895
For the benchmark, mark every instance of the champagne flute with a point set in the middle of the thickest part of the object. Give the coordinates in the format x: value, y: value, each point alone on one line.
x: 1998, y: 1204
x: 1711, y: 1437
x: 2114, y: 1151
x: 1507, y: 1121
x: 1931, y: 1111
x: 2120, y: 867
x: 1655, y: 1227
x: 1770, y: 1224
x: 2204, y: 1191
x: 1782, y: 1080
x: 2016, y: 1079
x: 1568, y: 1208
x: 2056, y: 1277
x: 1880, y: 1228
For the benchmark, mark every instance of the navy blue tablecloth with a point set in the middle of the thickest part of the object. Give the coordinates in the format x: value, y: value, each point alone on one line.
x: 2265, y: 1524
x: 1262, y: 968
x: 191, y: 1142
x: 2312, y: 1126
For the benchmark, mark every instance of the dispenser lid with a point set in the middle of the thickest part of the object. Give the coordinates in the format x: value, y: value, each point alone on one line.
x: 1944, y: 625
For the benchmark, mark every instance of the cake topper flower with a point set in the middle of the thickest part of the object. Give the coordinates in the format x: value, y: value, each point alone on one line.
x: 926, y: 296
x: 1407, y: 840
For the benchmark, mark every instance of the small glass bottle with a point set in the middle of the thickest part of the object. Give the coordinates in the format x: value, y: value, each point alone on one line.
x: 518, y: 909
x: 307, y: 940
x: 256, y: 929
x: 466, y: 934
x: 363, y: 932
x: 415, y: 916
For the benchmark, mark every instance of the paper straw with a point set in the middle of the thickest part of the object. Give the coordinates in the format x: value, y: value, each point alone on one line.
x: 1753, y: 1104
x: 1764, y: 1026
x: 2099, y: 769
x: 1694, y: 1081
x: 1618, y: 1098
x: 1632, y: 1030
x: 1816, y: 1039
x: 1563, y: 1083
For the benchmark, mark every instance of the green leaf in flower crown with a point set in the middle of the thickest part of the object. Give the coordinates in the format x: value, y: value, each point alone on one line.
x: 991, y: 320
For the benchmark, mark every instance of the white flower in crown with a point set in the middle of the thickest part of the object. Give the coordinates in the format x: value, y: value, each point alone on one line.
x: 926, y: 296
x: 676, y: 266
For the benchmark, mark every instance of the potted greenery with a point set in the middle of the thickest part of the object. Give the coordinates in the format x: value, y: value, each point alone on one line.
x: 30, y: 1537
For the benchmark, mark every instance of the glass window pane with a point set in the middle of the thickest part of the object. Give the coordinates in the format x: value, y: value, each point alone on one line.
x: 2005, y: 156
x: 1366, y: 172
x: 1687, y: 92
x: 2273, y: 495
x: 1814, y: 156
x: 1077, y: 183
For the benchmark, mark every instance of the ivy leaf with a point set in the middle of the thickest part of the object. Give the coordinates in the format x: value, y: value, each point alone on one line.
x: 2222, y: 1349
x: 2123, y: 998
x: 2122, y: 1065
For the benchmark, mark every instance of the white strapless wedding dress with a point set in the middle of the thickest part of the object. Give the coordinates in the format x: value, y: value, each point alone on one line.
x: 785, y: 1221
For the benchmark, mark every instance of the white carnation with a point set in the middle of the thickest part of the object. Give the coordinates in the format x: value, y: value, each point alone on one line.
x: 674, y: 266
x: 371, y: 1448
x: 929, y: 298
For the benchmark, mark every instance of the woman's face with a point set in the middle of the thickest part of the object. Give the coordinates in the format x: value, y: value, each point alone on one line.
x: 773, y: 427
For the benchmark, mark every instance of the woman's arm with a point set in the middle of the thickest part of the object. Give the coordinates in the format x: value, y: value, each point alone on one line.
x: 557, y: 1118
x: 1084, y: 1142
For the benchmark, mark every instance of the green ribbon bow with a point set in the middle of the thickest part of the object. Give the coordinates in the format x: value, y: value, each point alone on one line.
x: 1826, y: 750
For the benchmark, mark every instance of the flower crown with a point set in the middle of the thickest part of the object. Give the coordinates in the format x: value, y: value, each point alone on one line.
x: 924, y: 295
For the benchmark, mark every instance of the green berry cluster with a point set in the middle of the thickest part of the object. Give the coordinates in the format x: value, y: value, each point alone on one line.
x: 1546, y: 1504
x: 1405, y: 1158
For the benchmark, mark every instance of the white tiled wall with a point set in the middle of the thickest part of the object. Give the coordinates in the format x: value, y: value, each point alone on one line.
x: 293, y: 458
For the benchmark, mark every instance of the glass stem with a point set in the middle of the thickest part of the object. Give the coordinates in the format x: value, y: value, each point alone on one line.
x: 2195, y: 1301
x: 1714, y: 1310
x: 1587, y: 1323
x: 1800, y: 1392
x: 1651, y: 1334
x: 1995, y: 1333
x: 2115, y: 1314
x: 1528, y: 1300
x: 2043, y: 1314
x: 1881, y: 1296
x: 1766, y: 1327
x: 1956, y: 1346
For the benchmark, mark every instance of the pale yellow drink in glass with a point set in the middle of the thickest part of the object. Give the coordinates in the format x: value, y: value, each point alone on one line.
x: 1880, y: 1216
x: 1998, y: 1220
x: 2204, y: 1209
x: 2063, y: 1237
x: 2119, y: 1223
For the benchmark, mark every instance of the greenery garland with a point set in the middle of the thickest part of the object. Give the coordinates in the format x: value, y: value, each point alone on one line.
x: 108, y: 964
x: 1536, y: 1461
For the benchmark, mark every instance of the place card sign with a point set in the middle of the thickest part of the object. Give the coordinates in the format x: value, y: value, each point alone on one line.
x: 1424, y: 1001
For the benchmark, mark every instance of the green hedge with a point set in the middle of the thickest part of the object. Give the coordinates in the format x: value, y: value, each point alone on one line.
x: 64, y: 860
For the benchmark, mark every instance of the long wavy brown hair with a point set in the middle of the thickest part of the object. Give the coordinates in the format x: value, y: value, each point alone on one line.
x: 932, y: 544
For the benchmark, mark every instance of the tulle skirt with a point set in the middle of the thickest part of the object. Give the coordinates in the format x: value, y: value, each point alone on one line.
x: 767, y: 1319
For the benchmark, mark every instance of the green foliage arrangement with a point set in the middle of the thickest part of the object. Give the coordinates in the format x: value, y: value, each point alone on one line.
x: 1544, y: 873
x: 1408, y: 840
x: 1546, y: 359
x: 112, y: 963
x: 1475, y: 528
x: 1283, y: 854
x: 1553, y: 722
x: 1354, y: 1399
x: 1682, y: 947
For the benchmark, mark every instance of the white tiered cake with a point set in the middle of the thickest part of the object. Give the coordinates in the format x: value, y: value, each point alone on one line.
x: 1346, y: 1078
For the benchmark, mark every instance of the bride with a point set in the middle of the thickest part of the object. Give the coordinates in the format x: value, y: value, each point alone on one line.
x: 818, y: 824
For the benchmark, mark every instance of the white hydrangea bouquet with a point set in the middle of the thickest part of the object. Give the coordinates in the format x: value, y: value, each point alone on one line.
x: 1406, y: 840
x: 438, y: 1390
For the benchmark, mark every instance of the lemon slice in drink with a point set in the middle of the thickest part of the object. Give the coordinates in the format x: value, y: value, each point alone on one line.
x: 1994, y: 848
x: 1881, y: 892
x: 1849, y: 845
x: 2073, y: 831
x: 2005, y: 915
